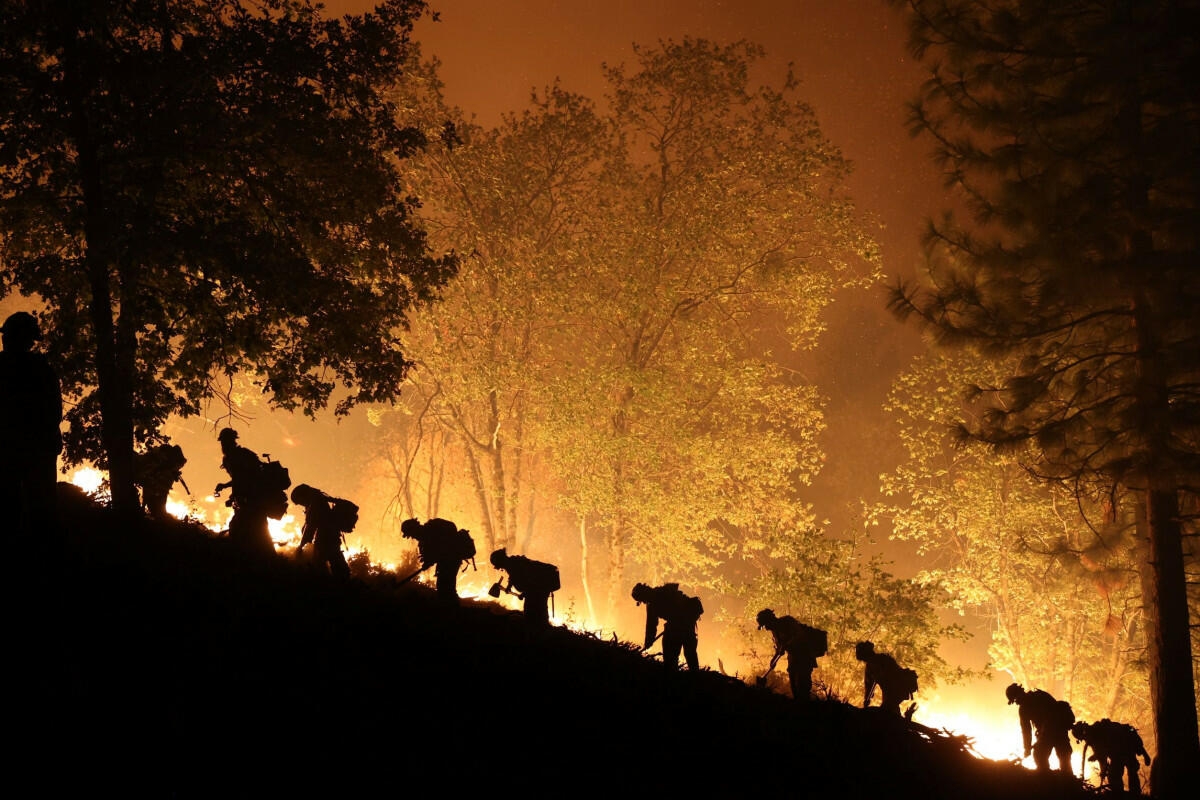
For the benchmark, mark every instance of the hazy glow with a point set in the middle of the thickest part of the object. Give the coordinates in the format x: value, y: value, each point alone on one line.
x: 995, y: 735
x: 995, y: 732
x: 89, y: 479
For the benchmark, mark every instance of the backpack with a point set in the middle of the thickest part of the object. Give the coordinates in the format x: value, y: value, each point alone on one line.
x: 1064, y: 716
x: 462, y: 546
x: 343, y: 514
x: 275, y: 504
x: 681, y: 605
x: 906, y: 683
x: 817, y: 641
x: 273, y: 477
x: 541, y: 575
x: 271, y: 485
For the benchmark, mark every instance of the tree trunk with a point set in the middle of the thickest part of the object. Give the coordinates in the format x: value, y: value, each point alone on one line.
x: 583, y: 570
x: 114, y: 364
x: 481, y: 496
x: 1176, y: 769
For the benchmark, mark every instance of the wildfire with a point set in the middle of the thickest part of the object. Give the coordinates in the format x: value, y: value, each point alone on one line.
x: 90, y: 480
x: 995, y: 732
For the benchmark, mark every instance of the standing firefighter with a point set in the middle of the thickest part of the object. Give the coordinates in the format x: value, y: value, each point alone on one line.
x: 30, y: 440
x: 1051, y: 719
x: 1115, y: 747
x: 258, y: 492
x: 157, y: 471
x: 443, y: 545
x: 895, y: 683
x: 326, y: 519
x: 680, y: 613
x: 803, y: 645
x: 532, y: 581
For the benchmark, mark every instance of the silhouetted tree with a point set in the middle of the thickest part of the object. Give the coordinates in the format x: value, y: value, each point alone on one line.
x: 202, y: 188
x: 1071, y: 131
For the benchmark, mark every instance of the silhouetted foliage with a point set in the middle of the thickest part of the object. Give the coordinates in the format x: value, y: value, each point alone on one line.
x: 200, y: 188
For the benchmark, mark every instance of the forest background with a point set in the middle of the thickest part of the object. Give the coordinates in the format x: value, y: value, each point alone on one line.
x: 871, y: 398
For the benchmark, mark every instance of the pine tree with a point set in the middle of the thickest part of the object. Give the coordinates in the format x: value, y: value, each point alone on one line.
x: 1071, y: 131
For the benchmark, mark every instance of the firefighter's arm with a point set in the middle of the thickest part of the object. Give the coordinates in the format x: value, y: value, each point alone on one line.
x: 868, y: 687
x: 306, y: 534
x: 651, y: 628
x: 1026, y: 732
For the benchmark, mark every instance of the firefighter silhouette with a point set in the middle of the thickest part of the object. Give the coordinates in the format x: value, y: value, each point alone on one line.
x: 680, y: 613
x: 443, y: 545
x: 1050, y: 718
x: 30, y: 439
x: 157, y: 471
x: 802, y: 644
x: 896, y: 683
x: 321, y: 529
x: 533, y: 581
x: 248, y: 527
x: 1116, y: 747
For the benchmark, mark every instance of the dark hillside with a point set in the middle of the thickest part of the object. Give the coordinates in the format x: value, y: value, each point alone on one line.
x: 154, y: 662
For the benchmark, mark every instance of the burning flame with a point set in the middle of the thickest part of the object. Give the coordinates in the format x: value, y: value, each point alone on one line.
x: 90, y: 480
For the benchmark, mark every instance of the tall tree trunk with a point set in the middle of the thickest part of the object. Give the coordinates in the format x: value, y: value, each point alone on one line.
x: 583, y: 570
x: 1176, y: 769
x: 482, y: 496
x: 114, y: 361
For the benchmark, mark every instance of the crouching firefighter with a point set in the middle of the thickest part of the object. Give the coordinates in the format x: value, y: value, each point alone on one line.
x: 1115, y: 747
x: 803, y: 645
x: 441, y: 544
x: 534, y: 582
x: 680, y: 613
x: 326, y: 520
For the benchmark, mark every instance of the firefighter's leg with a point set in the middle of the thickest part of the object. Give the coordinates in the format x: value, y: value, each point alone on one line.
x: 1041, y: 755
x: 689, y: 651
x: 1063, y: 749
x: 671, y: 645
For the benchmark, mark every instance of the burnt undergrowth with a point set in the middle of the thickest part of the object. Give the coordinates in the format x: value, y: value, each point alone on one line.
x: 151, y: 659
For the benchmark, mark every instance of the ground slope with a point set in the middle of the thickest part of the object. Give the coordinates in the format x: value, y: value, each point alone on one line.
x: 152, y: 660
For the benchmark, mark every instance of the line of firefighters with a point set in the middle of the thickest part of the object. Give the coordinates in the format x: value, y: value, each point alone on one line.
x: 30, y: 442
x: 1046, y: 722
x: 1116, y: 746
